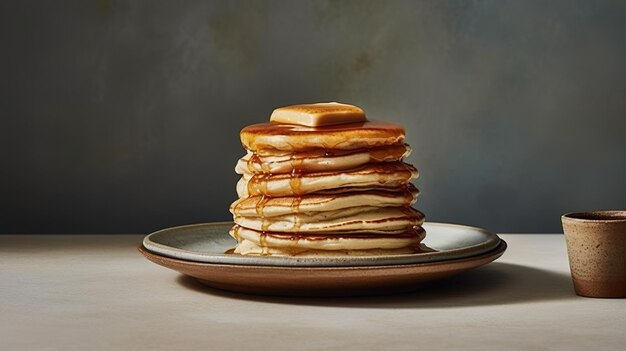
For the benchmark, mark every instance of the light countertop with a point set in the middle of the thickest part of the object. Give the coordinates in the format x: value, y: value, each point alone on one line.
x: 96, y: 292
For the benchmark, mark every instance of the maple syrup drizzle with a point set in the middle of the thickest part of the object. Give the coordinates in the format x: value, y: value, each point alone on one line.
x: 257, y: 185
x: 295, y: 204
x: 236, y: 233
x: 263, y: 244
x: 295, y: 209
x: 389, y: 153
x: 260, y: 206
x: 251, y: 161
x: 295, y: 180
x: 255, y: 160
x: 265, y: 168
x: 296, y: 224
x: 252, y: 185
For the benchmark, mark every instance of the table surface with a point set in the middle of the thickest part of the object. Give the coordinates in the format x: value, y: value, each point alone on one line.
x: 93, y: 292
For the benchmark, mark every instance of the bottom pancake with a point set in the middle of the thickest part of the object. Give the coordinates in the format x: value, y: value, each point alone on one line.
x: 255, y: 242
x: 247, y: 247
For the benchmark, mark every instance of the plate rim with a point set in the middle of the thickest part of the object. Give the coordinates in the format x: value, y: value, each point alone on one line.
x: 386, y: 260
x: 496, y: 252
x: 322, y: 281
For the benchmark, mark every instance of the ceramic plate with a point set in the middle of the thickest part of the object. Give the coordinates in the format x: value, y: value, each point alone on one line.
x: 208, y: 243
x: 322, y: 281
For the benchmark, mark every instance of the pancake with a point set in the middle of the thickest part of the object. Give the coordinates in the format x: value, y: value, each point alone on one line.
x: 277, y: 206
x: 353, y: 220
x: 276, y: 137
x: 319, y: 160
x: 410, y: 238
x: 321, y: 180
x: 395, y: 175
x: 356, y: 189
x: 247, y: 247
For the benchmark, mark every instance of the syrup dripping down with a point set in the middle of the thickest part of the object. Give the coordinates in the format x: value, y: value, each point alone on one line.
x: 263, y: 244
x: 236, y: 233
x: 255, y: 160
x: 295, y: 182
x: 295, y: 179
x: 260, y: 207
x: 257, y: 185
x: 251, y: 161
x: 295, y: 209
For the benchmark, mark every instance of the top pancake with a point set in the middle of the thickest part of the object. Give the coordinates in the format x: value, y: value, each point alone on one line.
x: 276, y: 138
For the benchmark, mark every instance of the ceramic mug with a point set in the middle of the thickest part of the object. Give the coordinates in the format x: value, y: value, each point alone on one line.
x: 596, y: 247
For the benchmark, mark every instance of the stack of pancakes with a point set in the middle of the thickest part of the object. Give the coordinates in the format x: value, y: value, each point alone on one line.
x: 330, y: 189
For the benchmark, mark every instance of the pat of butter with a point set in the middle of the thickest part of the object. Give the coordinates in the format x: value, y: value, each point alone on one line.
x: 318, y: 115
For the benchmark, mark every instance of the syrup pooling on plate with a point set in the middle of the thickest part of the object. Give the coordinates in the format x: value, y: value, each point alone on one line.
x: 325, y: 189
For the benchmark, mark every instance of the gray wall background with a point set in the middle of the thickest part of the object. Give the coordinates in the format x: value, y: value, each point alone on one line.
x: 123, y: 116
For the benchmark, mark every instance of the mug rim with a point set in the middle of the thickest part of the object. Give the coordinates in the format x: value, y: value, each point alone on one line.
x: 577, y: 216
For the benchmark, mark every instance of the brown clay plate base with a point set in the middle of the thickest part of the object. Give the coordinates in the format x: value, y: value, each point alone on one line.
x: 322, y: 281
